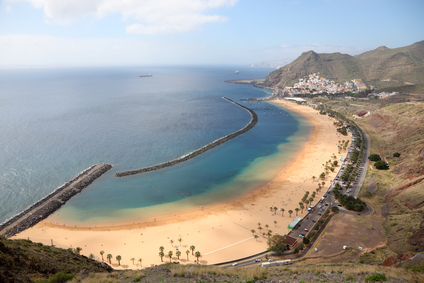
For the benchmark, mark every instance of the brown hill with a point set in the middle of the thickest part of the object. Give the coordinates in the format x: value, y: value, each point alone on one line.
x: 401, y: 68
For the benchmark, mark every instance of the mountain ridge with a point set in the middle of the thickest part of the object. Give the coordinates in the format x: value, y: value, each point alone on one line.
x: 382, y: 67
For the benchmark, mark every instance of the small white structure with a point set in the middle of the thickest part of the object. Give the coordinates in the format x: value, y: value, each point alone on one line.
x: 316, y: 249
x: 361, y: 249
x: 345, y: 247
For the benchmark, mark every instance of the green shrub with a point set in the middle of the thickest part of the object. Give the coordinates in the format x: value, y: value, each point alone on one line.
x: 376, y: 277
x: 396, y: 154
x: 59, y: 277
x: 374, y: 157
x: 382, y: 165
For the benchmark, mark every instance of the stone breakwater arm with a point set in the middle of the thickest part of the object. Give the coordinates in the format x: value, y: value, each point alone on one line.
x: 46, y: 206
x: 199, y: 151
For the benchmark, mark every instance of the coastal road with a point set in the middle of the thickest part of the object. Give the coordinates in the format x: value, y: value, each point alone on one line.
x: 310, y: 220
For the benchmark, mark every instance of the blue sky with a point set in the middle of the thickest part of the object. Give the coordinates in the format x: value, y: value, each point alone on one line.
x: 198, y: 32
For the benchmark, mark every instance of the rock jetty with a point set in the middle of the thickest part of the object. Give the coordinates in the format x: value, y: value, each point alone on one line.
x: 46, y: 206
x: 201, y: 150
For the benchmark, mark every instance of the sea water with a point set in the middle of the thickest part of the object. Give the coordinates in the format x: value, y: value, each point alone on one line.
x: 55, y: 123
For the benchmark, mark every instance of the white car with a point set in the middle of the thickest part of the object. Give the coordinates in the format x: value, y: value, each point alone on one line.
x: 235, y: 264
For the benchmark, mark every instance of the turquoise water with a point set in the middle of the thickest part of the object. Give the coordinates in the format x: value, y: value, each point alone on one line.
x: 56, y: 123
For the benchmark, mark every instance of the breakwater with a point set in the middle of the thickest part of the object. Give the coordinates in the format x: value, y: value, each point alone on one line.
x: 46, y: 206
x: 199, y: 151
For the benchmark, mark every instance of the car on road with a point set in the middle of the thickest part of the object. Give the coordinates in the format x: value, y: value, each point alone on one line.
x: 257, y: 260
x: 302, y: 235
x: 314, y: 220
x: 319, y: 213
x: 306, y: 230
x: 358, y: 214
x: 270, y: 259
x: 235, y: 264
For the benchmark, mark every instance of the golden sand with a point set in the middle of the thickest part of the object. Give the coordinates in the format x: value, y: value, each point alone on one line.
x: 221, y: 232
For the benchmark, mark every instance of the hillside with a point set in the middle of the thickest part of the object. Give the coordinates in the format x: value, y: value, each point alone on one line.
x: 396, y: 194
x: 25, y: 261
x: 385, y: 68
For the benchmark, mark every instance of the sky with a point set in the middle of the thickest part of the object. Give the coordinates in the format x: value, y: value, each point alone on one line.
x: 198, y: 32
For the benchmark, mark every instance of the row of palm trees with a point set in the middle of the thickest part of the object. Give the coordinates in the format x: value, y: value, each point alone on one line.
x: 197, y: 254
x: 264, y: 234
x: 118, y: 258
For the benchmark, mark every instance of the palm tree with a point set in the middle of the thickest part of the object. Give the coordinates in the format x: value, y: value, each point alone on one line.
x: 78, y: 250
x: 259, y: 224
x: 275, y: 223
x: 323, y: 183
x: 260, y: 229
x: 178, y: 254
x: 267, y: 226
x: 311, y: 199
x: 282, y: 211
x: 140, y: 260
x: 307, y: 202
x: 300, y: 203
x: 170, y: 255
x: 109, y: 256
x: 275, y: 209
x: 256, y: 237
x: 263, y: 234
x: 269, y: 234
x: 197, y: 255
x: 192, y: 248
x: 302, y: 208
x: 132, y: 259
x: 187, y: 252
x: 253, y: 231
x: 172, y: 242
x: 297, y: 210
x: 161, y: 254
x: 313, y: 178
x: 118, y: 258
x: 290, y: 211
x: 91, y: 256
x: 102, y: 252
x: 180, y: 240
x: 161, y: 248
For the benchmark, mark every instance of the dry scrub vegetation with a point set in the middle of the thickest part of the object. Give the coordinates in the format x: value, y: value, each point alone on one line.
x: 296, y: 273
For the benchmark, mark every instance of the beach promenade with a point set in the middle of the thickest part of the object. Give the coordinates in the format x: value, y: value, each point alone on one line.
x: 221, y: 232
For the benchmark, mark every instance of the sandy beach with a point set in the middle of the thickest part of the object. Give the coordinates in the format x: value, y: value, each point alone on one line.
x: 221, y: 232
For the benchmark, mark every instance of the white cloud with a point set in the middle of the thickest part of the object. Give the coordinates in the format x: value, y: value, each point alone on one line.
x: 150, y: 16
x: 9, y: 9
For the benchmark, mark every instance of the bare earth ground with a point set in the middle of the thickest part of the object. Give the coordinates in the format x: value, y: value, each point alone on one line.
x: 352, y: 231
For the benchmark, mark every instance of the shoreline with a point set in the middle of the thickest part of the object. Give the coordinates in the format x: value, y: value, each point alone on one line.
x: 250, y: 125
x: 222, y: 231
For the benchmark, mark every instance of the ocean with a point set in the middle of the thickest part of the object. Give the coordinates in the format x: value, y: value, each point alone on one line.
x: 54, y: 123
